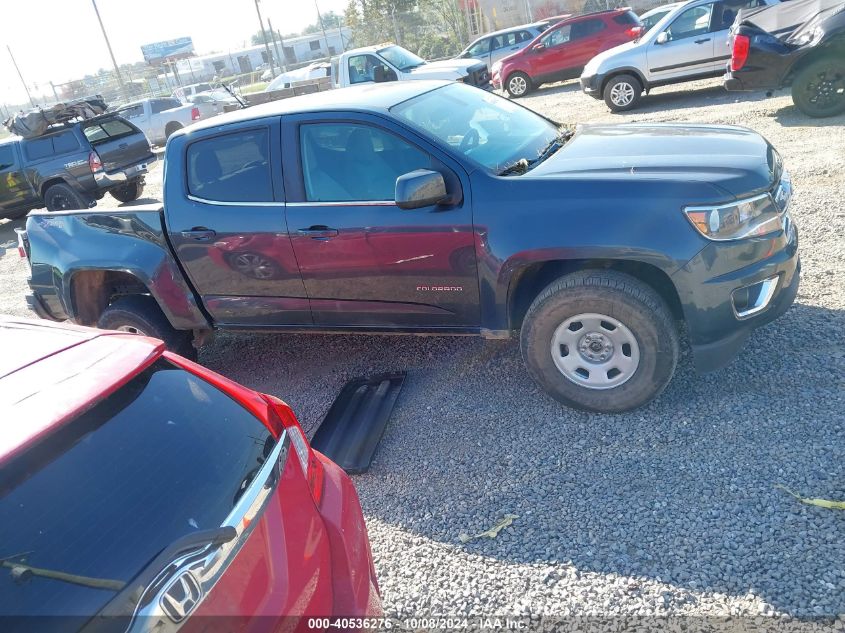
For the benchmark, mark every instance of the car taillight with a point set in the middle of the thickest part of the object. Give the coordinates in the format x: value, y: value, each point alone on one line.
x: 634, y: 32
x: 21, y: 233
x: 94, y: 162
x: 311, y: 466
x: 195, y: 113
x: 742, y: 44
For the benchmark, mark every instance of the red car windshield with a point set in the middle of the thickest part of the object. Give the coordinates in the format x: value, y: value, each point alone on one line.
x: 166, y: 456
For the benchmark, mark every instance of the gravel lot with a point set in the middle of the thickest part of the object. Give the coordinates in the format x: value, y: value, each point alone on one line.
x: 671, y: 510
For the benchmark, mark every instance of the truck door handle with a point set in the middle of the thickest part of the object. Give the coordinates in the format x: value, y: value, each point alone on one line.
x: 317, y: 232
x: 199, y: 233
x: 706, y: 39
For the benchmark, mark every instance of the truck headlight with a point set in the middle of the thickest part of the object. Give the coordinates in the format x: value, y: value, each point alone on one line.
x: 751, y: 217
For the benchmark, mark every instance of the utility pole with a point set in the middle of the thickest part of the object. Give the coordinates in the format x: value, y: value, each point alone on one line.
x: 264, y: 36
x: 31, y: 102
x: 279, y: 56
x: 111, y: 53
x: 282, y: 46
x: 323, y: 29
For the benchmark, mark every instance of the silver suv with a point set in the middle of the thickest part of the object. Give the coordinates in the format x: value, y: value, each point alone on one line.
x: 494, y: 46
x: 690, y: 42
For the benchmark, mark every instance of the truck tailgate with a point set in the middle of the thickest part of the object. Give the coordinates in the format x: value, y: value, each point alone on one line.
x: 118, y: 143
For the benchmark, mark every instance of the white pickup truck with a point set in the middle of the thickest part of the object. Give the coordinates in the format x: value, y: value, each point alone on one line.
x: 159, y: 118
x: 389, y: 62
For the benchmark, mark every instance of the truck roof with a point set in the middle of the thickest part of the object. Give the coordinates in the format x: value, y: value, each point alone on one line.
x: 364, y: 98
x: 51, y: 372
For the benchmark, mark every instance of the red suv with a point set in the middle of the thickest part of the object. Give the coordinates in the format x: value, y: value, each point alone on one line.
x: 139, y: 489
x: 562, y: 51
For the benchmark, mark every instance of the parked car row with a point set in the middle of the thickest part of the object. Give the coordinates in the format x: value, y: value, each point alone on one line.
x: 620, y: 57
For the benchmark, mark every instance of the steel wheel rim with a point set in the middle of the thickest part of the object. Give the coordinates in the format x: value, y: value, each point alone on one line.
x: 622, y: 94
x: 518, y: 85
x: 130, y: 329
x: 595, y: 351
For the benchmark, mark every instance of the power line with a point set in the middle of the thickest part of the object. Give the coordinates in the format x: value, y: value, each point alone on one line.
x: 8, y: 48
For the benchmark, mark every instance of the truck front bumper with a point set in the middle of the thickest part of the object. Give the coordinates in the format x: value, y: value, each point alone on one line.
x: 724, y: 297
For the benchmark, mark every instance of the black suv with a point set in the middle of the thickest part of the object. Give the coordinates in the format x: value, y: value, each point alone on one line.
x: 73, y: 165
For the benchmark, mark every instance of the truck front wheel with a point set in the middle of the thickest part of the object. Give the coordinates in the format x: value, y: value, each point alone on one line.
x: 140, y: 314
x: 600, y: 340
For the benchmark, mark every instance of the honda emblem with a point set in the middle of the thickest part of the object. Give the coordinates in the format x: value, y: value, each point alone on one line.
x: 181, y: 597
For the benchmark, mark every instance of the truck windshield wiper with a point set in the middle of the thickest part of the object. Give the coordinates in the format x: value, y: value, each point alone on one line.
x: 523, y: 164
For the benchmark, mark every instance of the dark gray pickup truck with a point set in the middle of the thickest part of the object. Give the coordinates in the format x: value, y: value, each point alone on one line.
x: 73, y: 165
x: 437, y: 208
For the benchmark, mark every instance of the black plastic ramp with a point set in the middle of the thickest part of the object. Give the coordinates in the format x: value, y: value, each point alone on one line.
x: 351, y: 430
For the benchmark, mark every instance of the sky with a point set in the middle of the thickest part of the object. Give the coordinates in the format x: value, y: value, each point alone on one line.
x: 60, y: 40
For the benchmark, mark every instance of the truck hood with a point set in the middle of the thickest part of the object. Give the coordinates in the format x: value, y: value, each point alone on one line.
x: 734, y: 159
x: 444, y: 69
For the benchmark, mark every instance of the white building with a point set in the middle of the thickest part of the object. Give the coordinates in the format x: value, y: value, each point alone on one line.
x: 296, y: 51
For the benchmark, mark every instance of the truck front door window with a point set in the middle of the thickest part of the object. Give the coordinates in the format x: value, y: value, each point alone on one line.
x: 362, y: 68
x: 231, y: 168
x: 692, y: 22
x: 343, y: 162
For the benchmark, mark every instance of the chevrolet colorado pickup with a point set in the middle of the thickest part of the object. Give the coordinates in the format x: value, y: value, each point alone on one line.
x: 437, y: 208
x: 72, y: 166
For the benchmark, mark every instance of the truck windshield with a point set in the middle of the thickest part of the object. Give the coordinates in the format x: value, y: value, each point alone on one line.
x: 401, y: 58
x: 490, y: 130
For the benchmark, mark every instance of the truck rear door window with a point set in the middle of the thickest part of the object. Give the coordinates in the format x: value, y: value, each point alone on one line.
x: 160, y: 105
x: 7, y: 157
x: 38, y: 148
x: 108, y: 130
x: 231, y: 167
x: 166, y: 455
x: 65, y: 142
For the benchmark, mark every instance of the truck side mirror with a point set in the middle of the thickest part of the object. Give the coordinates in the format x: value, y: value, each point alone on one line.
x: 383, y: 73
x: 420, y: 188
x: 662, y: 38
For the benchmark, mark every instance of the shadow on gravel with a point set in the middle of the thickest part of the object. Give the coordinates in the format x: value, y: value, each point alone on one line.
x: 790, y: 116
x: 687, y: 99
x: 682, y: 490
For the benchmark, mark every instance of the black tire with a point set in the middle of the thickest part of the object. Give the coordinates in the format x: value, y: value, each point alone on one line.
x: 170, y: 128
x: 518, y: 84
x: 818, y: 89
x: 622, y: 92
x: 128, y: 192
x: 140, y: 314
x: 62, y: 197
x: 642, y: 314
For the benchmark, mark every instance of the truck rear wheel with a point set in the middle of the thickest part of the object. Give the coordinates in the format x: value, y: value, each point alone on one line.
x: 170, y: 128
x: 139, y: 314
x: 600, y: 340
x: 62, y: 197
x: 128, y: 192
x: 818, y: 90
